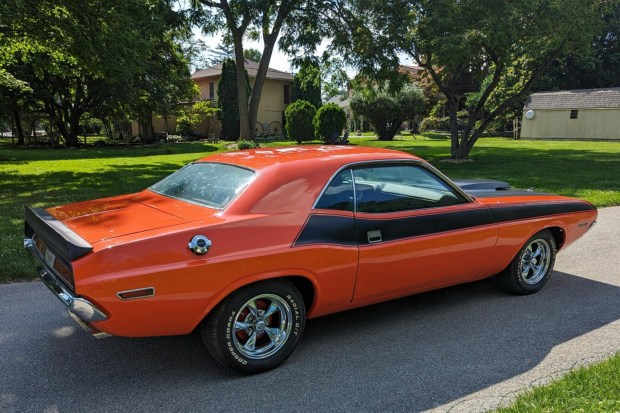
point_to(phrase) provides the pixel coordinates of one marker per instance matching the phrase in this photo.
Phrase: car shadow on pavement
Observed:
(411, 354)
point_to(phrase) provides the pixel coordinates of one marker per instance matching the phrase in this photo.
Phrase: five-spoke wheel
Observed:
(257, 327)
(530, 269)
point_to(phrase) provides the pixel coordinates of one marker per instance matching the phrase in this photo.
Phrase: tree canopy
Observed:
(99, 57)
(463, 45)
(386, 111)
(265, 20)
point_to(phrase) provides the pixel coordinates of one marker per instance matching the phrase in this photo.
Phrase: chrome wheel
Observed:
(535, 262)
(262, 326)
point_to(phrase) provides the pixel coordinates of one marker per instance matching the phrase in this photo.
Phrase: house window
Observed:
(287, 94)
(573, 113)
(211, 90)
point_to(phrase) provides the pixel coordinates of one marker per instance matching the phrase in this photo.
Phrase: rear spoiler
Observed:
(69, 244)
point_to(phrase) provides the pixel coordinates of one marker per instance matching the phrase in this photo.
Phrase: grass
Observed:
(592, 389)
(48, 177)
(588, 170)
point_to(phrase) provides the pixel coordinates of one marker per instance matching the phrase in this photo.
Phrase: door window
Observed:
(393, 188)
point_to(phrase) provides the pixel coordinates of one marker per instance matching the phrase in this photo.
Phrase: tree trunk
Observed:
(269, 42)
(245, 131)
(18, 127)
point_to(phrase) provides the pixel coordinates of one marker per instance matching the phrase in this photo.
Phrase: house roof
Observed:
(412, 68)
(251, 67)
(575, 99)
(340, 101)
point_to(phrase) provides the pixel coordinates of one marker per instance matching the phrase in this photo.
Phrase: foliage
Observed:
(95, 57)
(299, 116)
(245, 144)
(240, 20)
(388, 111)
(600, 67)
(228, 100)
(252, 54)
(442, 123)
(307, 83)
(432, 123)
(455, 40)
(329, 121)
(190, 118)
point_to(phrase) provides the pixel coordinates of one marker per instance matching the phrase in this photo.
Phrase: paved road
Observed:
(467, 348)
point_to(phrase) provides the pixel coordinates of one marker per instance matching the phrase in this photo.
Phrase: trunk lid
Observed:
(108, 218)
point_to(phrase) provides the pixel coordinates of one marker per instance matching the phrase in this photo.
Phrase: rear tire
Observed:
(256, 328)
(529, 271)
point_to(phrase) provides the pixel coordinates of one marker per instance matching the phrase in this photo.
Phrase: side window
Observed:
(401, 188)
(339, 193)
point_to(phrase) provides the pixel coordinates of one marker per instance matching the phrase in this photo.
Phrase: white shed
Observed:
(573, 114)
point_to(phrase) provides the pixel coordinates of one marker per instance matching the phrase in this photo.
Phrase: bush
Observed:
(443, 124)
(299, 116)
(386, 111)
(246, 145)
(329, 121)
(432, 123)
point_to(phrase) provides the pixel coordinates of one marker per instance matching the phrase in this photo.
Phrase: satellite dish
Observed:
(530, 114)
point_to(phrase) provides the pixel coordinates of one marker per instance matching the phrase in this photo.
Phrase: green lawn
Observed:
(593, 389)
(48, 177)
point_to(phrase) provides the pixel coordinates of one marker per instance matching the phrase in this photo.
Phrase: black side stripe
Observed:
(327, 229)
(515, 213)
(348, 231)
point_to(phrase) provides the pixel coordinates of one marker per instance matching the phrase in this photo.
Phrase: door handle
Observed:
(374, 236)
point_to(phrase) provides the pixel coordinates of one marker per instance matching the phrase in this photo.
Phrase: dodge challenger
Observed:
(246, 246)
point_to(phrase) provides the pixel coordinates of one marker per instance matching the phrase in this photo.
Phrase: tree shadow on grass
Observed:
(408, 355)
(16, 156)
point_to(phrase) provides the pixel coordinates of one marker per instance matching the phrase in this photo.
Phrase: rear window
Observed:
(212, 185)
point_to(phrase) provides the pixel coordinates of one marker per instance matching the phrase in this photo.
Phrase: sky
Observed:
(279, 60)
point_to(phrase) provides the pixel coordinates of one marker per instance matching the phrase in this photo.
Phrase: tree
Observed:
(598, 68)
(481, 39)
(228, 99)
(387, 112)
(329, 121)
(252, 54)
(244, 18)
(13, 95)
(307, 83)
(189, 119)
(100, 57)
(299, 116)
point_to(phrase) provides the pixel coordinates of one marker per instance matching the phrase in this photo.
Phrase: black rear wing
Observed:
(69, 244)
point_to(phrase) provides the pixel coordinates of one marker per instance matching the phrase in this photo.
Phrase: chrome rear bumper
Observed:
(80, 309)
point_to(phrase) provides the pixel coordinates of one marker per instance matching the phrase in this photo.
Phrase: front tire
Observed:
(529, 271)
(256, 328)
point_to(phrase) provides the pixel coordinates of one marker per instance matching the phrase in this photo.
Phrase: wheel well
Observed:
(558, 235)
(305, 288)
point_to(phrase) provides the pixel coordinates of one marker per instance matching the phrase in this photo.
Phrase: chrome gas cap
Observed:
(200, 244)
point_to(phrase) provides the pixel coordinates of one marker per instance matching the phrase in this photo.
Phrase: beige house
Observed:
(275, 97)
(573, 114)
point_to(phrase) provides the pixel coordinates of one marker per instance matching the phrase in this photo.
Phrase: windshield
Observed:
(209, 184)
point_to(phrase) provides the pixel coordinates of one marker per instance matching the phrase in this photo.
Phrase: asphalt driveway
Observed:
(466, 348)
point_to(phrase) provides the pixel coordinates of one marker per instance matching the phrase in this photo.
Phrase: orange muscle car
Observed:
(245, 246)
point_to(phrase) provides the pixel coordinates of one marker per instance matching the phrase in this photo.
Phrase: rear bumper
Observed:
(80, 309)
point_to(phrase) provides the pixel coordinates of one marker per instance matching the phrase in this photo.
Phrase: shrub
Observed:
(387, 112)
(246, 145)
(329, 121)
(432, 123)
(299, 116)
(443, 124)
